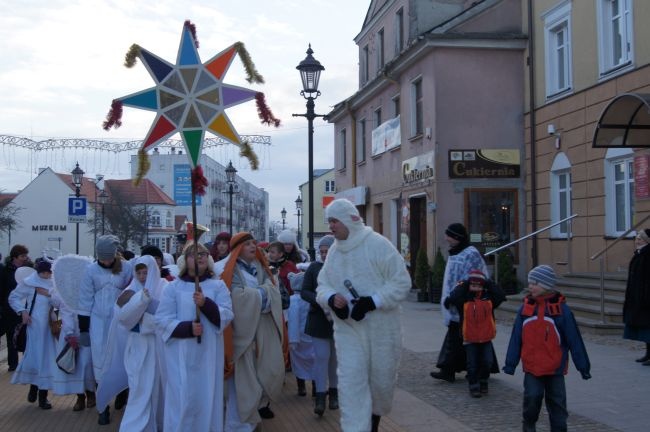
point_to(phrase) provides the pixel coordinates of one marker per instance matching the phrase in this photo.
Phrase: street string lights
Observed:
(299, 214)
(232, 188)
(284, 217)
(310, 70)
(77, 181)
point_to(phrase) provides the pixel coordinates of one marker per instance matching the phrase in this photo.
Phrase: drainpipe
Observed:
(353, 143)
(531, 100)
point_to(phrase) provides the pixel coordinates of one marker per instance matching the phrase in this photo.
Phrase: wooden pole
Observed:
(195, 234)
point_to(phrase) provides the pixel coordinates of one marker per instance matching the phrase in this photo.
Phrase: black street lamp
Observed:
(77, 181)
(230, 179)
(103, 198)
(299, 214)
(310, 70)
(284, 216)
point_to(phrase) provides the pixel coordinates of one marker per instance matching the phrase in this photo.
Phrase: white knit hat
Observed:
(344, 211)
(287, 236)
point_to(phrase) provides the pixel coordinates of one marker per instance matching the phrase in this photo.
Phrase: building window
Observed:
(380, 50)
(615, 34)
(417, 117)
(330, 186)
(342, 149)
(154, 220)
(557, 32)
(365, 57)
(377, 117)
(361, 142)
(399, 31)
(168, 220)
(396, 110)
(560, 195)
(619, 191)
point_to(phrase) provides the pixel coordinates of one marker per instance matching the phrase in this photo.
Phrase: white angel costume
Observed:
(300, 344)
(194, 371)
(36, 366)
(143, 411)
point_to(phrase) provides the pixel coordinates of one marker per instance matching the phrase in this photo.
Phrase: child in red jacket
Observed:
(543, 334)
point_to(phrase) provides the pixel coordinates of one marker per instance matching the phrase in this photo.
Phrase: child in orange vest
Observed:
(476, 298)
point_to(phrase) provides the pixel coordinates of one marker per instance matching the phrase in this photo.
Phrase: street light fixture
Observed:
(299, 214)
(103, 199)
(284, 216)
(230, 179)
(310, 70)
(77, 181)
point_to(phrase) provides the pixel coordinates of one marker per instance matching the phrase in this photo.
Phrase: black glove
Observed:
(446, 303)
(84, 323)
(342, 313)
(362, 306)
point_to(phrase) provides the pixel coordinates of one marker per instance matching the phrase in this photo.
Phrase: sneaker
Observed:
(643, 359)
(104, 418)
(445, 376)
(475, 393)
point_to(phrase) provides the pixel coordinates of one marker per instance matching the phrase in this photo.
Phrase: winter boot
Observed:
(43, 403)
(319, 404)
(646, 357)
(302, 391)
(375, 423)
(90, 399)
(33, 393)
(333, 398)
(483, 387)
(104, 417)
(80, 405)
(121, 399)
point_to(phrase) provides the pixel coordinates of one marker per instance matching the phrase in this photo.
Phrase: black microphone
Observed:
(350, 288)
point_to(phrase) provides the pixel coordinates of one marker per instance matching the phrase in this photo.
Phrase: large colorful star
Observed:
(189, 97)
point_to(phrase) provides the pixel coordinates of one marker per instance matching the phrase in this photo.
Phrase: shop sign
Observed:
(183, 185)
(484, 163)
(641, 176)
(386, 136)
(418, 168)
(356, 195)
(49, 227)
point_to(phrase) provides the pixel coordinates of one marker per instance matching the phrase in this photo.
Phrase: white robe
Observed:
(36, 366)
(300, 344)
(194, 385)
(367, 351)
(82, 378)
(99, 290)
(143, 412)
(457, 269)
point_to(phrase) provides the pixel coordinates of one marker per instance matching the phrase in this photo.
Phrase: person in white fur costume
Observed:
(366, 314)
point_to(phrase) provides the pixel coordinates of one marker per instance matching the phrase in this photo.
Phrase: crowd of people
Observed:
(205, 343)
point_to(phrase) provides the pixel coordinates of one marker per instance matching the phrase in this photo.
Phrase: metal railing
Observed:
(601, 264)
(527, 236)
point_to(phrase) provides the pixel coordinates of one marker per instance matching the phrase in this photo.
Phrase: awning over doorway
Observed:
(625, 122)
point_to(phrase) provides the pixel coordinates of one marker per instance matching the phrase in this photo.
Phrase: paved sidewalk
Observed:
(614, 399)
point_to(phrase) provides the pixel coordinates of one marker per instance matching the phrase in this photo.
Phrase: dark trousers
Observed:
(9, 323)
(479, 362)
(451, 358)
(550, 388)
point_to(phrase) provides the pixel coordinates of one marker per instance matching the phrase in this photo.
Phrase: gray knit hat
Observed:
(543, 275)
(326, 241)
(107, 246)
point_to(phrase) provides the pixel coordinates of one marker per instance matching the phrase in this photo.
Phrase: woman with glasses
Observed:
(194, 368)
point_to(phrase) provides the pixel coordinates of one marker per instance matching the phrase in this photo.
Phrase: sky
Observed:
(62, 64)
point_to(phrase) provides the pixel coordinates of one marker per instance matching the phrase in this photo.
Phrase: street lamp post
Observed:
(103, 198)
(284, 216)
(299, 214)
(310, 70)
(77, 180)
(230, 179)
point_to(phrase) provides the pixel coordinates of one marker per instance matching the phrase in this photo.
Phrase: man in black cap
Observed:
(462, 259)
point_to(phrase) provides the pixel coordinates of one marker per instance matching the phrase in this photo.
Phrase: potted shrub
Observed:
(422, 274)
(437, 276)
(507, 275)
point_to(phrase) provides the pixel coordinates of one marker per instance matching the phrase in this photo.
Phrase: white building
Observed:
(171, 173)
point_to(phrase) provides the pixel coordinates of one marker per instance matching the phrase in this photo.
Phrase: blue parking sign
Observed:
(76, 209)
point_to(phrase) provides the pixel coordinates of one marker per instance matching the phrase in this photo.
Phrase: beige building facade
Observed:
(585, 55)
